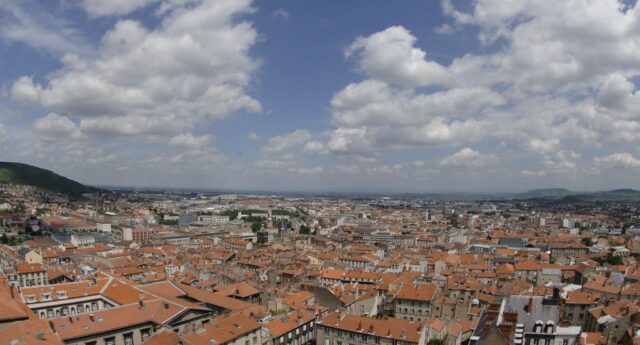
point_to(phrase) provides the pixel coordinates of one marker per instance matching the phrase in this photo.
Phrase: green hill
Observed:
(18, 173)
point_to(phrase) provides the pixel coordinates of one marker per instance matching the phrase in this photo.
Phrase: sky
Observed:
(324, 95)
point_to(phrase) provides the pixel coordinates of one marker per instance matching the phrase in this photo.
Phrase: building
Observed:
(295, 328)
(26, 275)
(236, 329)
(415, 302)
(83, 241)
(138, 235)
(575, 307)
(103, 227)
(343, 329)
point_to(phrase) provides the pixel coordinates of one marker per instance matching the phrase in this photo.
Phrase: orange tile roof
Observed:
(386, 327)
(32, 332)
(417, 292)
(223, 330)
(288, 323)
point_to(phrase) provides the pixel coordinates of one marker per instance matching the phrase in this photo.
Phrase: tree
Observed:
(587, 241)
(304, 229)
(435, 342)
(257, 225)
(4, 239)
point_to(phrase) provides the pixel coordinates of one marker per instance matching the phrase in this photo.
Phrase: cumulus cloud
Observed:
(193, 67)
(553, 76)
(282, 143)
(57, 126)
(310, 171)
(390, 55)
(315, 146)
(280, 13)
(469, 158)
(23, 90)
(188, 141)
(253, 136)
(4, 133)
(100, 8)
(40, 30)
(618, 160)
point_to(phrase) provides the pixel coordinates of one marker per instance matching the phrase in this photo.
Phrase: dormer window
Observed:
(45, 297)
(538, 327)
(61, 294)
(30, 298)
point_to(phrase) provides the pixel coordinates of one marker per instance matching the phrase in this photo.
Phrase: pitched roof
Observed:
(387, 327)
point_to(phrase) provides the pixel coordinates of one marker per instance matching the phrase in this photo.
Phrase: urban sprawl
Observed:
(192, 268)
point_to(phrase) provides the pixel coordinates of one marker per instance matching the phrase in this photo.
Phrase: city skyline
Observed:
(417, 96)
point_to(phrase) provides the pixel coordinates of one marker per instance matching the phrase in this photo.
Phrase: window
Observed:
(110, 341)
(30, 298)
(61, 294)
(90, 343)
(326, 342)
(145, 333)
(565, 341)
(128, 338)
(377, 340)
(45, 296)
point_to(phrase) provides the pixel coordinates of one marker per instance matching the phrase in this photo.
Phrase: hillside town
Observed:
(195, 268)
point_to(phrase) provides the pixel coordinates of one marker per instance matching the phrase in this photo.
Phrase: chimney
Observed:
(91, 317)
(52, 326)
(404, 333)
(166, 305)
(70, 319)
(141, 304)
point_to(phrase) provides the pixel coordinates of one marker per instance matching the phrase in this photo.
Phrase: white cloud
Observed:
(4, 134)
(38, 29)
(310, 171)
(272, 164)
(57, 126)
(618, 160)
(99, 8)
(193, 67)
(23, 90)
(280, 13)
(188, 141)
(552, 77)
(253, 136)
(315, 146)
(469, 158)
(282, 143)
(390, 55)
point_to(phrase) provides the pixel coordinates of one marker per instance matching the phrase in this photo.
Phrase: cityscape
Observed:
(284, 172)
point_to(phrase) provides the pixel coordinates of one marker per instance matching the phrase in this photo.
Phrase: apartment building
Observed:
(295, 328)
(414, 302)
(344, 329)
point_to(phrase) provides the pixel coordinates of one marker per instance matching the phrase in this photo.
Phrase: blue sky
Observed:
(381, 96)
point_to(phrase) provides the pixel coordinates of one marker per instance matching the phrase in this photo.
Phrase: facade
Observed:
(295, 328)
(415, 302)
(345, 329)
(28, 275)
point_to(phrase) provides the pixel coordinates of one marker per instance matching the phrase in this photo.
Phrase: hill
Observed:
(545, 193)
(19, 173)
(562, 195)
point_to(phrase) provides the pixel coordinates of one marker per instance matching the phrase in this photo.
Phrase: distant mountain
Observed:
(566, 196)
(545, 193)
(18, 173)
